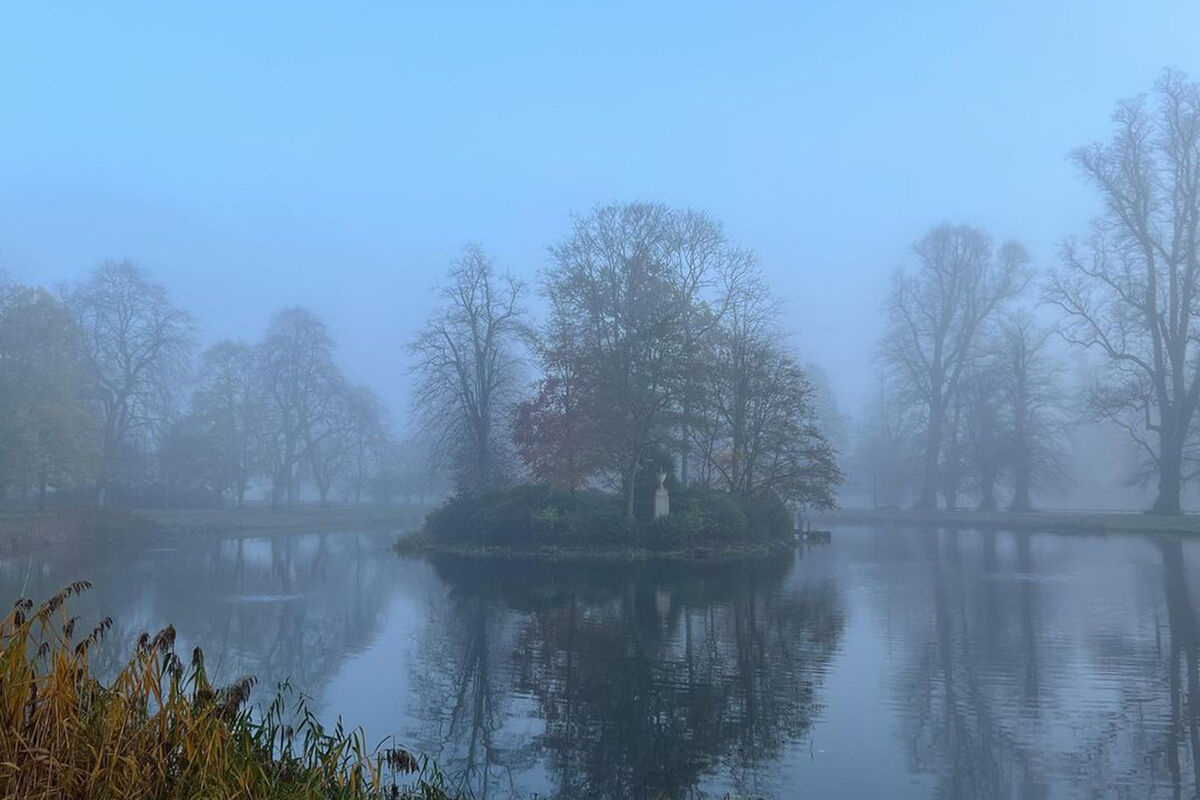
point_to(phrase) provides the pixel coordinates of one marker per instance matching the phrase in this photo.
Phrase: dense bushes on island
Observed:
(537, 515)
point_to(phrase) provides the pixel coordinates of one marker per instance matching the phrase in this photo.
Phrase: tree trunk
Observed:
(987, 491)
(1170, 465)
(1182, 623)
(685, 452)
(952, 470)
(1020, 499)
(630, 478)
(1170, 471)
(929, 466)
(1022, 450)
(483, 466)
(950, 495)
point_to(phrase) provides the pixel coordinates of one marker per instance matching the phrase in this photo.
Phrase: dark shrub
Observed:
(769, 518)
(600, 518)
(536, 514)
(529, 514)
(677, 530)
(452, 520)
(719, 516)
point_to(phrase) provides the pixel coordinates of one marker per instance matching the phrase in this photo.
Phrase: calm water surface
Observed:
(893, 663)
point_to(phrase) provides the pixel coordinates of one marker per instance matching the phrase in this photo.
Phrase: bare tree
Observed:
(886, 445)
(407, 469)
(1132, 289)
(367, 439)
(934, 316)
(1032, 395)
(784, 451)
(327, 438)
(298, 380)
(227, 409)
(739, 359)
(758, 420)
(832, 421)
(706, 273)
(952, 466)
(344, 442)
(137, 343)
(985, 422)
(468, 367)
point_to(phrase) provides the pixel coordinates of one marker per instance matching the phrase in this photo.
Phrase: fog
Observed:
(602, 400)
(258, 158)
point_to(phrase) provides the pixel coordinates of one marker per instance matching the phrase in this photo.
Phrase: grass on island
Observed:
(159, 730)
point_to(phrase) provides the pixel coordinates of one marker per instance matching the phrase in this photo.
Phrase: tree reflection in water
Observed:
(992, 664)
(1007, 690)
(1183, 739)
(287, 607)
(636, 681)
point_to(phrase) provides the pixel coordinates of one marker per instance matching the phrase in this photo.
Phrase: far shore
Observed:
(1056, 521)
(21, 531)
(295, 518)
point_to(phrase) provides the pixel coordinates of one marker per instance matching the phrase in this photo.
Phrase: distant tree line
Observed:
(661, 348)
(969, 391)
(970, 399)
(99, 396)
(662, 345)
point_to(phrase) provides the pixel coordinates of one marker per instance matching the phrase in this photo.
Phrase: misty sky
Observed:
(254, 156)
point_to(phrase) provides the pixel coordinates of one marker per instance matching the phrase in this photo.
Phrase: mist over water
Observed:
(899, 661)
(623, 400)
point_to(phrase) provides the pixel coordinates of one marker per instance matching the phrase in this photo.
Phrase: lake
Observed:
(895, 662)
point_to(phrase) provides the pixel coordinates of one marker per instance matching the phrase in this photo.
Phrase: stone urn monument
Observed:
(662, 498)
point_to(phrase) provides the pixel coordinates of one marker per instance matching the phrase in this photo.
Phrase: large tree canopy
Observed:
(662, 336)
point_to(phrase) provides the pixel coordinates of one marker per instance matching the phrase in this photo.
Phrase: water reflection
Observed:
(645, 680)
(281, 607)
(907, 663)
(1039, 666)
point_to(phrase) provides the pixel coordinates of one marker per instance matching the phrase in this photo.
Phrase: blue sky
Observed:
(258, 155)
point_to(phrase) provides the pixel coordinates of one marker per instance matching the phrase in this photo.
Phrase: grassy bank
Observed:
(159, 730)
(24, 531)
(1059, 521)
(304, 519)
(29, 530)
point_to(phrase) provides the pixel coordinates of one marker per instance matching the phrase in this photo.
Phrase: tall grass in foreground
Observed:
(160, 730)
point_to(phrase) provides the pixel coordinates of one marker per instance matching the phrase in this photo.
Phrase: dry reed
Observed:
(159, 730)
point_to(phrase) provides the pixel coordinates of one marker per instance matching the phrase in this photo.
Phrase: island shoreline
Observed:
(419, 545)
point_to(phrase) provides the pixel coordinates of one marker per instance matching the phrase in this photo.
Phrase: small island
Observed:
(539, 521)
(667, 414)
